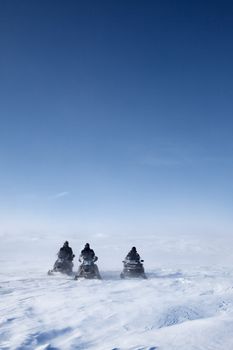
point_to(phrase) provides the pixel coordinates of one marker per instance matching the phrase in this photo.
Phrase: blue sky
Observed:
(117, 115)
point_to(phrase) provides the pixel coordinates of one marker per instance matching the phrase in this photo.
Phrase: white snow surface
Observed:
(186, 303)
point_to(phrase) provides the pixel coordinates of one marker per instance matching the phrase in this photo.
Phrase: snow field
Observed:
(185, 308)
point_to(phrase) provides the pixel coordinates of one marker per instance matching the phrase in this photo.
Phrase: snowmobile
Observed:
(133, 269)
(63, 266)
(88, 269)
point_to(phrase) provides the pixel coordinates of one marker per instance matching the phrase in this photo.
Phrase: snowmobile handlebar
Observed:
(128, 260)
(81, 259)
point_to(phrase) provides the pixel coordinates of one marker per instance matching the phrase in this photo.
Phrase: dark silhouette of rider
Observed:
(66, 252)
(133, 255)
(87, 253)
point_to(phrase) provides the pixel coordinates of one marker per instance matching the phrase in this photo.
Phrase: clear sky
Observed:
(116, 116)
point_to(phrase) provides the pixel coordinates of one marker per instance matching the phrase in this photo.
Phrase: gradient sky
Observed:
(116, 116)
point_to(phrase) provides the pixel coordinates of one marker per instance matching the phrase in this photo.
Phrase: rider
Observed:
(88, 254)
(133, 266)
(66, 252)
(133, 255)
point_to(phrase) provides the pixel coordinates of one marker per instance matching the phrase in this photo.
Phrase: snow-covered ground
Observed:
(186, 303)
